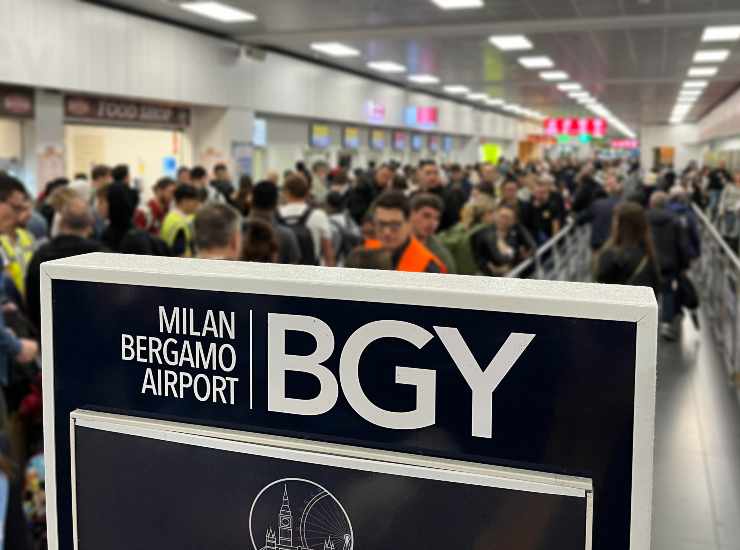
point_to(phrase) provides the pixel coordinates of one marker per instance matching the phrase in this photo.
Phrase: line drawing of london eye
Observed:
(323, 525)
(321, 520)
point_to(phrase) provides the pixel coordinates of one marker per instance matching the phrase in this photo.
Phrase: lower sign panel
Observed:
(150, 485)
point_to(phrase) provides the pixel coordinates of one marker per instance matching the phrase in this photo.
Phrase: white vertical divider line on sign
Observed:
(251, 360)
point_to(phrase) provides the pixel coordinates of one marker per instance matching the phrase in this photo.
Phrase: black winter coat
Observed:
(671, 242)
(622, 266)
(588, 191)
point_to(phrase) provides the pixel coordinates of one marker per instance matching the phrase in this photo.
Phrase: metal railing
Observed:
(565, 257)
(717, 278)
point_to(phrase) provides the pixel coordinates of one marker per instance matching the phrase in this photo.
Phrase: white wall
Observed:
(284, 86)
(683, 137)
(43, 141)
(70, 45)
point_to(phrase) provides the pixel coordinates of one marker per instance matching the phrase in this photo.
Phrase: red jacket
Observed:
(150, 217)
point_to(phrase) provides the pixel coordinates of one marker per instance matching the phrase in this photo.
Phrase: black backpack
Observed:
(297, 224)
(348, 240)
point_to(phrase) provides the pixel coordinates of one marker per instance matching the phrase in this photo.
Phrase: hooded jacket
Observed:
(121, 207)
(671, 242)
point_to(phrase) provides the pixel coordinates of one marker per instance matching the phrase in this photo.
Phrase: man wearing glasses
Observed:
(12, 204)
(391, 212)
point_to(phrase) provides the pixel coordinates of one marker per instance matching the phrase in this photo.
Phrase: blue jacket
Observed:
(687, 218)
(10, 346)
(599, 215)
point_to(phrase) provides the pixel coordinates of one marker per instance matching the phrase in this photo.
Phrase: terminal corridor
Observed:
(370, 274)
(697, 449)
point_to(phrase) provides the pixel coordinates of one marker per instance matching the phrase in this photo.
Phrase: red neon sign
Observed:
(596, 127)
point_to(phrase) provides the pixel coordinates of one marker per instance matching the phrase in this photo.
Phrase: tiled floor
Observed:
(696, 502)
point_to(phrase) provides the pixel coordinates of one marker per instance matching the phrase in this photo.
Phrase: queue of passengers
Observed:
(482, 219)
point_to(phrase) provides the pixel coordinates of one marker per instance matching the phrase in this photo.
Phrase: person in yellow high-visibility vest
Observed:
(17, 248)
(177, 227)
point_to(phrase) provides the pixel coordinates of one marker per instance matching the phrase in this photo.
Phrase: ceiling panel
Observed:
(632, 55)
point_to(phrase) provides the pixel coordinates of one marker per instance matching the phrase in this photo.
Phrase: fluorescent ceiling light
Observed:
(458, 4)
(334, 49)
(456, 89)
(570, 87)
(587, 101)
(554, 75)
(512, 42)
(219, 12)
(424, 79)
(386, 67)
(579, 95)
(686, 100)
(721, 34)
(695, 84)
(599, 110)
(711, 56)
(686, 94)
(540, 62)
(702, 71)
(477, 97)
(495, 102)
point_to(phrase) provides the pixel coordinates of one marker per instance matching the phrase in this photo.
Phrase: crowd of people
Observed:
(482, 219)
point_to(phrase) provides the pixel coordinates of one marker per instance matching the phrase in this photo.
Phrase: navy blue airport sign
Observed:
(556, 378)
(268, 493)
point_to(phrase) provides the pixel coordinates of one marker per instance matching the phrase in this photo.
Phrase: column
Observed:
(43, 141)
(222, 135)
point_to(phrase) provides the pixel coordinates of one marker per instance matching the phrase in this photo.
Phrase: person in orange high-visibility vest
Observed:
(391, 212)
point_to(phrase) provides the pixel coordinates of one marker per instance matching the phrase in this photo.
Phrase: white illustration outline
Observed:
(324, 492)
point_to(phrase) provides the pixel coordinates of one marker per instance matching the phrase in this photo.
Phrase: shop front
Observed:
(16, 106)
(151, 138)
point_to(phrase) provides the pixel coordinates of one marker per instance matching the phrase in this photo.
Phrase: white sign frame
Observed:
(550, 298)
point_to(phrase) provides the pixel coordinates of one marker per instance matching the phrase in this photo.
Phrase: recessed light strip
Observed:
(219, 12)
(536, 62)
(695, 72)
(387, 67)
(510, 43)
(458, 4)
(711, 56)
(730, 33)
(424, 79)
(456, 89)
(552, 76)
(335, 49)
